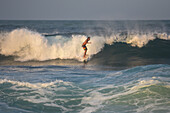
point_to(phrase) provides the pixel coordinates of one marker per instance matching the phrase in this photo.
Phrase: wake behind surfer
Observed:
(84, 46)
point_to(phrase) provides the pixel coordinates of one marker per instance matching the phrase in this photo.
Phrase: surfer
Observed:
(84, 46)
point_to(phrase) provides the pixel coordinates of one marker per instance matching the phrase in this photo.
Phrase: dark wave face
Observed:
(122, 54)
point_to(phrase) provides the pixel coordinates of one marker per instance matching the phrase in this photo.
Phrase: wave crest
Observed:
(28, 45)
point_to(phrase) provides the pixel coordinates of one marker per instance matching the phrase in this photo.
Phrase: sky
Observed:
(84, 9)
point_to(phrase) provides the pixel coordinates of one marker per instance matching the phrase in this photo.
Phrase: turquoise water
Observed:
(79, 89)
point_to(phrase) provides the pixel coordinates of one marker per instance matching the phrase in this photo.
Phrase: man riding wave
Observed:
(84, 45)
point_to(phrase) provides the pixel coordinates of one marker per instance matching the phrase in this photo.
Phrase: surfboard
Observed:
(86, 59)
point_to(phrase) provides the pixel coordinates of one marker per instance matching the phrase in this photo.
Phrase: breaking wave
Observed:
(27, 45)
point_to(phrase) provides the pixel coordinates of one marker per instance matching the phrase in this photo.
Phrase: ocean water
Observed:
(42, 68)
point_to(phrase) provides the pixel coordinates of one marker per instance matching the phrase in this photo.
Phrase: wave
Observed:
(26, 45)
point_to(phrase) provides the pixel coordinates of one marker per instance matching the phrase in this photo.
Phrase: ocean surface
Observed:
(42, 68)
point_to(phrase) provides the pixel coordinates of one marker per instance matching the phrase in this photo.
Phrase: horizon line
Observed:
(82, 19)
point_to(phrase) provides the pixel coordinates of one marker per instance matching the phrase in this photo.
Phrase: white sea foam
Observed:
(140, 40)
(33, 85)
(29, 45)
(145, 83)
(55, 105)
(96, 99)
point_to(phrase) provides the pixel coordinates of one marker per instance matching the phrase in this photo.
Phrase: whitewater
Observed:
(42, 69)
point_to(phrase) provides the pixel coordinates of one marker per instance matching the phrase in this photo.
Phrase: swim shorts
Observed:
(84, 47)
